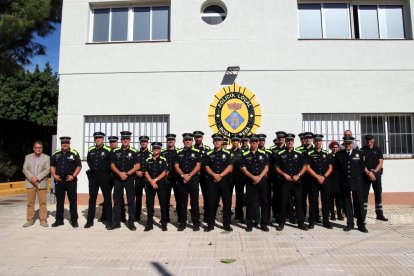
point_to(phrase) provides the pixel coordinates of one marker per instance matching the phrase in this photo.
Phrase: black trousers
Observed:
(184, 189)
(287, 190)
(215, 191)
(256, 192)
(336, 199)
(238, 182)
(377, 186)
(276, 197)
(351, 200)
(172, 186)
(161, 192)
(313, 201)
(128, 185)
(139, 188)
(306, 193)
(70, 188)
(100, 180)
(123, 215)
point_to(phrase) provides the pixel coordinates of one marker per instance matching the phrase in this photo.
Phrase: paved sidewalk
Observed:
(387, 249)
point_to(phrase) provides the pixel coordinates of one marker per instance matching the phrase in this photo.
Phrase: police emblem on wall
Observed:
(234, 111)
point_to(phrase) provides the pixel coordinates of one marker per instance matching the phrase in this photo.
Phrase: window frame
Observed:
(351, 19)
(130, 31)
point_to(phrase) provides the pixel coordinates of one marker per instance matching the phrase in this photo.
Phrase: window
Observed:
(324, 20)
(380, 22)
(145, 23)
(154, 126)
(346, 21)
(393, 132)
(214, 14)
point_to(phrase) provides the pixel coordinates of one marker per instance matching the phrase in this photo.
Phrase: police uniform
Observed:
(187, 159)
(275, 149)
(143, 155)
(99, 162)
(335, 195)
(372, 159)
(351, 166)
(320, 162)
(172, 176)
(218, 161)
(237, 180)
(270, 176)
(307, 178)
(255, 163)
(65, 164)
(202, 174)
(124, 159)
(291, 163)
(156, 168)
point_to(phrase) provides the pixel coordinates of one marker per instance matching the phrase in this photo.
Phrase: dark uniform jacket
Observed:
(351, 169)
(236, 157)
(187, 159)
(170, 154)
(124, 159)
(65, 162)
(218, 161)
(99, 159)
(155, 167)
(291, 162)
(372, 157)
(255, 162)
(319, 161)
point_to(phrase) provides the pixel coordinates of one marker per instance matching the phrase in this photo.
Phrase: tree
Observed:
(31, 97)
(20, 20)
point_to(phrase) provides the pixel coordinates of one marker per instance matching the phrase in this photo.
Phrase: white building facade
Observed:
(154, 67)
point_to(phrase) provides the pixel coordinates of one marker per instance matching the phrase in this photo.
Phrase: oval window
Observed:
(213, 14)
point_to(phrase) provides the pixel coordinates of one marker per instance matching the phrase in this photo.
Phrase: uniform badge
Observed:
(324, 156)
(160, 162)
(129, 154)
(224, 156)
(295, 156)
(357, 155)
(192, 155)
(71, 157)
(103, 153)
(260, 157)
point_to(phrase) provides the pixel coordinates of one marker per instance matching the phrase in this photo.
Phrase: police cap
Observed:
(262, 136)
(156, 145)
(113, 138)
(369, 137)
(308, 135)
(188, 136)
(170, 136)
(143, 138)
(317, 137)
(126, 134)
(235, 138)
(217, 136)
(198, 133)
(280, 134)
(348, 139)
(254, 137)
(65, 139)
(245, 138)
(98, 134)
(290, 136)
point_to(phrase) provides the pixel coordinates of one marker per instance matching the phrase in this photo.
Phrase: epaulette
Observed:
(325, 151)
(246, 152)
(91, 148)
(310, 152)
(226, 151)
(164, 150)
(272, 147)
(118, 148)
(73, 151)
(57, 151)
(179, 150)
(163, 158)
(261, 151)
(196, 150)
(268, 150)
(107, 148)
(210, 152)
(207, 147)
(298, 151)
(299, 148)
(280, 152)
(133, 149)
(149, 157)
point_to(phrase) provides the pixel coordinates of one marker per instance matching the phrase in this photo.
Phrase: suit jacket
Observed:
(42, 171)
(351, 169)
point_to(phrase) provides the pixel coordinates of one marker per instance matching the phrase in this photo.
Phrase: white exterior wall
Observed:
(288, 76)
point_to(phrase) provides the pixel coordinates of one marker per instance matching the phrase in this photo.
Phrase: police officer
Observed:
(245, 143)
(279, 145)
(307, 179)
(169, 154)
(65, 166)
(143, 154)
(198, 144)
(99, 162)
(155, 169)
(291, 165)
(124, 164)
(320, 168)
(270, 174)
(236, 178)
(351, 166)
(255, 165)
(374, 161)
(218, 165)
(187, 164)
(113, 144)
